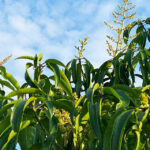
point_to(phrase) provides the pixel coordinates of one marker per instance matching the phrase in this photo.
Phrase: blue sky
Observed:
(53, 27)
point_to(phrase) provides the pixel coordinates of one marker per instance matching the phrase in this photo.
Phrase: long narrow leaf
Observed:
(54, 61)
(17, 114)
(118, 129)
(26, 57)
(56, 71)
(65, 84)
(23, 91)
(9, 77)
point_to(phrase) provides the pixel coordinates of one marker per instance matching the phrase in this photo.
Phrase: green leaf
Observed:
(47, 85)
(12, 138)
(127, 32)
(54, 61)
(53, 126)
(27, 137)
(129, 58)
(129, 90)
(135, 60)
(116, 64)
(115, 130)
(79, 101)
(12, 80)
(124, 99)
(89, 94)
(37, 73)
(124, 73)
(96, 87)
(4, 136)
(111, 91)
(145, 115)
(17, 114)
(145, 88)
(4, 124)
(139, 29)
(132, 92)
(134, 42)
(50, 108)
(143, 64)
(65, 84)
(35, 61)
(36, 146)
(23, 91)
(25, 124)
(142, 39)
(88, 63)
(79, 72)
(95, 120)
(28, 65)
(7, 106)
(147, 20)
(74, 70)
(32, 99)
(63, 104)
(29, 80)
(87, 75)
(68, 70)
(78, 88)
(107, 143)
(126, 36)
(147, 52)
(84, 113)
(9, 77)
(56, 71)
(26, 57)
(50, 114)
(40, 57)
(148, 34)
(103, 70)
(119, 128)
(77, 127)
(7, 84)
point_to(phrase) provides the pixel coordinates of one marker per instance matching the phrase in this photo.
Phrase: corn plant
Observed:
(77, 106)
(122, 17)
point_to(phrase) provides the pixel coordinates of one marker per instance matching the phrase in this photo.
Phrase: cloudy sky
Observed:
(53, 27)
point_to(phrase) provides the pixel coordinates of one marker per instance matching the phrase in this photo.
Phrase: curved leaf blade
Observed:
(23, 91)
(74, 70)
(54, 61)
(26, 57)
(118, 129)
(17, 114)
(115, 130)
(65, 84)
(9, 77)
(29, 80)
(56, 71)
(7, 84)
(111, 91)
(108, 132)
(95, 120)
(124, 99)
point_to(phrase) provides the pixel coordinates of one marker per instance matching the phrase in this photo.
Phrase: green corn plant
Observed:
(107, 112)
(121, 21)
(78, 70)
(137, 53)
